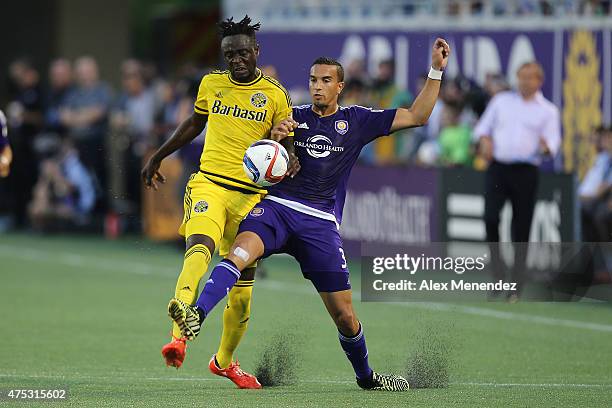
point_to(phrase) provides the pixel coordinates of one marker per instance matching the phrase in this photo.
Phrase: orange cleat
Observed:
(235, 374)
(174, 352)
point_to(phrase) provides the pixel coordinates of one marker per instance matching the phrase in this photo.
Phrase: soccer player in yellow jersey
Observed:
(240, 106)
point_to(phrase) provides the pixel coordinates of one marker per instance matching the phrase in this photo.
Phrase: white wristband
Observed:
(434, 74)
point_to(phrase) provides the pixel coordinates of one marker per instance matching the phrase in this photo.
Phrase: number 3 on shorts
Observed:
(343, 266)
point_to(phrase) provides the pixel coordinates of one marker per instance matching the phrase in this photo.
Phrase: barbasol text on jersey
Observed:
(238, 112)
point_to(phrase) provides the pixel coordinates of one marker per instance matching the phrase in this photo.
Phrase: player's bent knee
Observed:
(241, 254)
(247, 248)
(241, 258)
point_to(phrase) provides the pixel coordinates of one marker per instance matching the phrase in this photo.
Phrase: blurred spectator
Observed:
(167, 113)
(154, 81)
(456, 92)
(85, 116)
(476, 7)
(428, 153)
(464, 98)
(327, 12)
(508, 139)
(60, 86)
(135, 109)
(455, 139)
(355, 92)
(355, 69)
(516, 130)
(190, 154)
(25, 111)
(385, 94)
(453, 8)
(24, 115)
(595, 7)
(64, 194)
(595, 192)
(495, 83)
(132, 122)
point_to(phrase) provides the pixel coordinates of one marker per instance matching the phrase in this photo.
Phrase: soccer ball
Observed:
(265, 162)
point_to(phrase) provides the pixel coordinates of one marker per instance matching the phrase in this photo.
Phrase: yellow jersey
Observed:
(239, 114)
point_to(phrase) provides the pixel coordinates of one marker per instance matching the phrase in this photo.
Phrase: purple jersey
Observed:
(3, 131)
(327, 148)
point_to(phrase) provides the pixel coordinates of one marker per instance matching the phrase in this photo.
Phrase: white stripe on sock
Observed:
(352, 339)
(233, 270)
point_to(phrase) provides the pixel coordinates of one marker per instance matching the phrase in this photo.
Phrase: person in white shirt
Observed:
(516, 130)
(595, 193)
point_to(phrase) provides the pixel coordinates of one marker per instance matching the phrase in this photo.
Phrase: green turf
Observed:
(89, 315)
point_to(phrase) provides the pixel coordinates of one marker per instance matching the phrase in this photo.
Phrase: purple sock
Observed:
(218, 285)
(357, 352)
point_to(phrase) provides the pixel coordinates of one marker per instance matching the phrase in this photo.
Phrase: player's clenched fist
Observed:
(439, 55)
(282, 129)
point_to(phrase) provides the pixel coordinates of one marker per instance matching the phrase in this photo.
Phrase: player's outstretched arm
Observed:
(418, 113)
(188, 130)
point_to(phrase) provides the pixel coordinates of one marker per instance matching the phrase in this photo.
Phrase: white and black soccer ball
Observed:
(265, 162)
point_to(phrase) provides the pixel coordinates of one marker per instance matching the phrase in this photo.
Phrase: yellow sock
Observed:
(195, 266)
(235, 320)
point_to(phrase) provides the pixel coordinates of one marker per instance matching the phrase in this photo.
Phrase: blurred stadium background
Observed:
(91, 88)
(95, 87)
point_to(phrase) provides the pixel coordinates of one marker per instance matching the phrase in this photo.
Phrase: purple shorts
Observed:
(314, 242)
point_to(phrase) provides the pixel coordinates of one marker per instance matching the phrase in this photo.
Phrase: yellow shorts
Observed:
(214, 211)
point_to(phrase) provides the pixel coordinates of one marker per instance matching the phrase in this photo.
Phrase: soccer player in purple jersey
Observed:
(300, 216)
(6, 154)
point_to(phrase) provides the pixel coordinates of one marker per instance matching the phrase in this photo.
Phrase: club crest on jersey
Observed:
(259, 100)
(200, 207)
(257, 211)
(341, 126)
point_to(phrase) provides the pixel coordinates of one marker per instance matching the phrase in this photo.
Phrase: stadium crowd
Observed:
(439, 8)
(79, 145)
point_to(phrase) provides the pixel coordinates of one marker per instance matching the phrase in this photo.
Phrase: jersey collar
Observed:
(325, 116)
(257, 79)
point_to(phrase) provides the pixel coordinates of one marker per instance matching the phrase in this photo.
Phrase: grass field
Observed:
(89, 315)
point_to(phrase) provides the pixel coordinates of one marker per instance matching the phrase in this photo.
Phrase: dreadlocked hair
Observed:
(229, 27)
